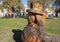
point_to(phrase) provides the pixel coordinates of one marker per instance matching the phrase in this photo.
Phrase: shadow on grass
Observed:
(17, 35)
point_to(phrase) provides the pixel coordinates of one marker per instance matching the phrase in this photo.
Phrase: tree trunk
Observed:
(56, 14)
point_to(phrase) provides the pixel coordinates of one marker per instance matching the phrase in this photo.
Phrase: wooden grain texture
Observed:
(34, 31)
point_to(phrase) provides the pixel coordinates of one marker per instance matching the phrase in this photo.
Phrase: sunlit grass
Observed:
(52, 25)
(12, 23)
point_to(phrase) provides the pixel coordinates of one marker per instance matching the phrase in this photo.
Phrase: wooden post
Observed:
(34, 31)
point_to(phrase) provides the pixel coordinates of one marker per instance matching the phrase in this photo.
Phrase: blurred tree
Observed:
(12, 3)
(57, 8)
(45, 3)
(57, 2)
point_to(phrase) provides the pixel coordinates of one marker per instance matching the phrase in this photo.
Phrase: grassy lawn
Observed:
(12, 23)
(52, 25)
(7, 25)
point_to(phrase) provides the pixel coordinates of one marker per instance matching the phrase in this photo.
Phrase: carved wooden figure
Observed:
(34, 31)
(31, 33)
(36, 14)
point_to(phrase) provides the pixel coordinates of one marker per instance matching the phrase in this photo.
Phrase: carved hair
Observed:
(36, 6)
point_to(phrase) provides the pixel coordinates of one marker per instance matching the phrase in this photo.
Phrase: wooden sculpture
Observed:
(34, 31)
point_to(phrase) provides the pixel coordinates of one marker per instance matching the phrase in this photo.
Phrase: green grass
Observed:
(7, 25)
(12, 23)
(52, 25)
